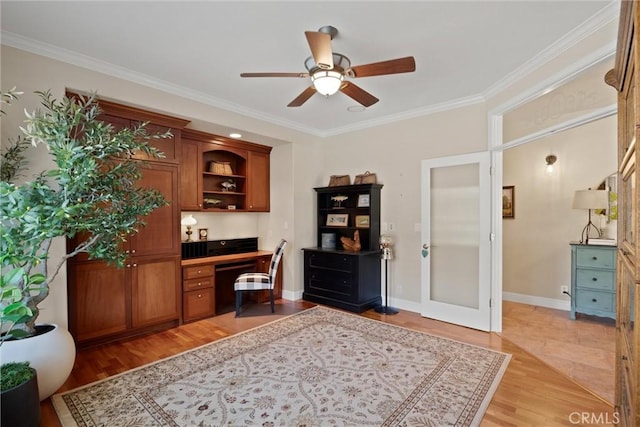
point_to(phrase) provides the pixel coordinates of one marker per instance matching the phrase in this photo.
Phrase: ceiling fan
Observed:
(328, 70)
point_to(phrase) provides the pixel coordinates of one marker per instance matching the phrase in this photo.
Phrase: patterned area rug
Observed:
(317, 367)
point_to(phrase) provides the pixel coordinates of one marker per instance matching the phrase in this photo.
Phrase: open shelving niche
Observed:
(212, 188)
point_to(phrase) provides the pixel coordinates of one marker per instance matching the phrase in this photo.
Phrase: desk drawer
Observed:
(195, 284)
(199, 304)
(596, 279)
(593, 300)
(595, 258)
(193, 272)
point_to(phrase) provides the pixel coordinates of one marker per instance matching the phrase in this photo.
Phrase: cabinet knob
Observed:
(127, 251)
(594, 300)
(199, 271)
(134, 265)
(595, 279)
(133, 251)
(199, 284)
(199, 295)
(128, 265)
(594, 258)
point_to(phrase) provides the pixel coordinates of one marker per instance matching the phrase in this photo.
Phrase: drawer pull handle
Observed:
(594, 300)
(595, 279)
(199, 284)
(199, 271)
(594, 258)
(199, 295)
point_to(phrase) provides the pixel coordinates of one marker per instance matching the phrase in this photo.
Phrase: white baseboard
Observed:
(291, 295)
(558, 304)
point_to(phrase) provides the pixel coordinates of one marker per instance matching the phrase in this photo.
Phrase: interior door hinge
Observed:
(490, 303)
(491, 170)
(492, 237)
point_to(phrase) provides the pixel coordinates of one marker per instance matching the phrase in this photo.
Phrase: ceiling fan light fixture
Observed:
(327, 82)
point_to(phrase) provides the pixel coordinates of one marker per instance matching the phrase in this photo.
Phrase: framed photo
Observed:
(362, 221)
(363, 200)
(337, 220)
(203, 233)
(508, 201)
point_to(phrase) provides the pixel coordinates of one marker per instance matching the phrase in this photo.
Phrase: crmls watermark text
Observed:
(594, 418)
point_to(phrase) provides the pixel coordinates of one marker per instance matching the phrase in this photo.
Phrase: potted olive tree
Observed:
(91, 191)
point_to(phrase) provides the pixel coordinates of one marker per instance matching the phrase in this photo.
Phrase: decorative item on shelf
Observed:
(221, 168)
(352, 245)
(337, 220)
(189, 221)
(550, 160)
(338, 200)
(363, 200)
(365, 178)
(386, 254)
(338, 180)
(228, 185)
(203, 233)
(508, 202)
(590, 199)
(328, 241)
(210, 202)
(362, 221)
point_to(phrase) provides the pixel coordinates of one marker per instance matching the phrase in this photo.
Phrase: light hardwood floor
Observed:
(531, 392)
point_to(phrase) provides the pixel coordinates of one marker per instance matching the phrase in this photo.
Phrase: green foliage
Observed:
(92, 192)
(13, 374)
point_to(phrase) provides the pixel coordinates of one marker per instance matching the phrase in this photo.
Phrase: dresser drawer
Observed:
(331, 284)
(195, 271)
(593, 300)
(195, 284)
(332, 261)
(596, 279)
(595, 258)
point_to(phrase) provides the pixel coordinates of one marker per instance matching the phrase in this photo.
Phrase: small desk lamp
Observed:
(590, 199)
(189, 221)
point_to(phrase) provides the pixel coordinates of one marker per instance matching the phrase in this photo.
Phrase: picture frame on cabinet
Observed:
(203, 233)
(337, 220)
(363, 200)
(508, 202)
(362, 221)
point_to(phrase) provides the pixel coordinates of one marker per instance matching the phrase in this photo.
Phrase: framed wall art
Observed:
(337, 220)
(508, 201)
(363, 200)
(362, 221)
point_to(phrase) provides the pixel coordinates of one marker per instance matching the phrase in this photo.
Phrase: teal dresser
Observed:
(593, 280)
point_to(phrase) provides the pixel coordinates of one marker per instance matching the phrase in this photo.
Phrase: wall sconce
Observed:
(550, 160)
(189, 221)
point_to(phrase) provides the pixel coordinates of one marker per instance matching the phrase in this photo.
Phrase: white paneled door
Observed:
(456, 247)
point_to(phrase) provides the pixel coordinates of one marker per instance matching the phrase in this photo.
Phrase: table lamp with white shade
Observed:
(189, 221)
(590, 199)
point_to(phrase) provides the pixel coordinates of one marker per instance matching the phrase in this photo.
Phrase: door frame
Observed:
(497, 146)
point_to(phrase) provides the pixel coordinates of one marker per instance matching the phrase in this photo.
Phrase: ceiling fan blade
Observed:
(320, 45)
(358, 94)
(393, 66)
(274, 74)
(303, 97)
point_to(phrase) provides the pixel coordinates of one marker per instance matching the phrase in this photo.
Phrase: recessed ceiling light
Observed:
(355, 108)
(235, 135)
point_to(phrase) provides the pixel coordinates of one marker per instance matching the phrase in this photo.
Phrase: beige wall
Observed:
(299, 161)
(536, 253)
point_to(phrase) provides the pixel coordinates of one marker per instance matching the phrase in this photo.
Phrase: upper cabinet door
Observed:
(161, 234)
(258, 182)
(190, 176)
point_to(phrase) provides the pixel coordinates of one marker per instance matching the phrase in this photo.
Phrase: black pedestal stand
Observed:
(385, 309)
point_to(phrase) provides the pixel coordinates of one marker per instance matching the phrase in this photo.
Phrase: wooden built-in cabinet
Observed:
(203, 186)
(625, 79)
(108, 303)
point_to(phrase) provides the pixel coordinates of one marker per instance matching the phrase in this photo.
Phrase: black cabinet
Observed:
(332, 275)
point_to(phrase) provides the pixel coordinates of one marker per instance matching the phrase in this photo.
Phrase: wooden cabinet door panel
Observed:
(98, 306)
(258, 195)
(190, 176)
(155, 291)
(166, 145)
(161, 233)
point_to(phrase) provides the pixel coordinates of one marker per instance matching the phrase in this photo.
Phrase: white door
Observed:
(456, 248)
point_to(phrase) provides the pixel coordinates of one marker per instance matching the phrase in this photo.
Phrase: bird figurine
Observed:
(228, 185)
(352, 245)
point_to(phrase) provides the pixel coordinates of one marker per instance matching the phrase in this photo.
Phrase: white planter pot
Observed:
(52, 354)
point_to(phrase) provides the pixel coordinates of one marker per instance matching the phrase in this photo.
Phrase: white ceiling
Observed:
(464, 50)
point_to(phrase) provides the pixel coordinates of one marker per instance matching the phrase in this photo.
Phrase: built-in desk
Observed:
(207, 282)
